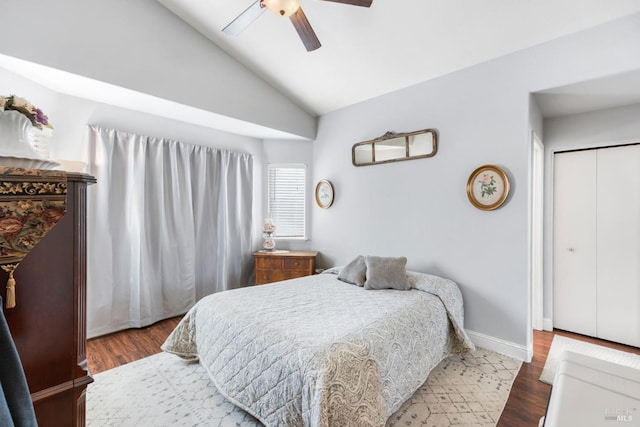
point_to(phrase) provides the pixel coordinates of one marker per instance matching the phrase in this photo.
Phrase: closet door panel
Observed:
(574, 245)
(618, 243)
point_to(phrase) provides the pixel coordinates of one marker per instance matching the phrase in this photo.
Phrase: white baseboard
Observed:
(501, 346)
(547, 324)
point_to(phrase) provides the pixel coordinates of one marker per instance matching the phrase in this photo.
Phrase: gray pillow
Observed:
(386, 273)
(354, 272)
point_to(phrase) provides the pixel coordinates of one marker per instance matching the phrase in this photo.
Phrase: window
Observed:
(286, 199)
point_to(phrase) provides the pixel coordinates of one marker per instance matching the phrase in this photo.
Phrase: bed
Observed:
(317, 351)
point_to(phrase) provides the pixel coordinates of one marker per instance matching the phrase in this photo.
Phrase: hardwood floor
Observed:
(526, 404)
(110, 351)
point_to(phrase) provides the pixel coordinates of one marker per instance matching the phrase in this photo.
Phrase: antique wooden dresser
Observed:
(48, 323)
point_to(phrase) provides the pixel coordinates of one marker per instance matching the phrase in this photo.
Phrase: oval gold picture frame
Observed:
(488, 187)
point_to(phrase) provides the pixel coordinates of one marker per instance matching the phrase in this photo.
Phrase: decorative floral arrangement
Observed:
(34, 114)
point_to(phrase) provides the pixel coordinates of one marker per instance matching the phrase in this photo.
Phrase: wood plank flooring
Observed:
(110, 351)
(525, 405)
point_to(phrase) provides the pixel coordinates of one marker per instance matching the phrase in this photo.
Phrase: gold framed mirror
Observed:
(395, 147)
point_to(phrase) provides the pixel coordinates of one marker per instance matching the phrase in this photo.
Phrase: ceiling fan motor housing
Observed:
(283, 8)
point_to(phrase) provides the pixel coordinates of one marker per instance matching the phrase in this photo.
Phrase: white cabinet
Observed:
(597, 243)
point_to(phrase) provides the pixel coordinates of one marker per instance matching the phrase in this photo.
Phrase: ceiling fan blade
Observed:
(243, 20)
(306, 33)
(363, 3)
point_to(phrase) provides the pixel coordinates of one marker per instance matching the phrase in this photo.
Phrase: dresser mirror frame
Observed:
(395, 147)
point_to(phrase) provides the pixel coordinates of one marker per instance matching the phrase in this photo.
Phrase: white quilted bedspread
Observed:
(320, 352)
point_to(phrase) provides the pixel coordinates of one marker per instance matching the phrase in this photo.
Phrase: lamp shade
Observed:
(284, 8)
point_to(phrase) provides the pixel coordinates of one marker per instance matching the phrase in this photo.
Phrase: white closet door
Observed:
(574, 243)
(619, 244)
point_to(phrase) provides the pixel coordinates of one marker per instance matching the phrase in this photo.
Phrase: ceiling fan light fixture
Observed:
(284, 8)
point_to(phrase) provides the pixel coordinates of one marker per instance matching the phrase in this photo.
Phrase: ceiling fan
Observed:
(284, 8)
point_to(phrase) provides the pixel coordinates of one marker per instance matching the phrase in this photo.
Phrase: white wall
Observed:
(605, 127)
(71, 116)
(613, 126)
(419, 208)
(142, 46)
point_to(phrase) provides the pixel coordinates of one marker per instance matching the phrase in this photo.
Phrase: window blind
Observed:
(286, 199)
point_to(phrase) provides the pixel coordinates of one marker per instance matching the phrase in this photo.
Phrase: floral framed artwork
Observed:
(488, 187)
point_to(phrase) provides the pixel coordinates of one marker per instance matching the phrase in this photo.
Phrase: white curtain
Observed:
(167, 224)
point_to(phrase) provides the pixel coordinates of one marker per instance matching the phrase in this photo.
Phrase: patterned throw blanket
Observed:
(316, 351)
(32, 201)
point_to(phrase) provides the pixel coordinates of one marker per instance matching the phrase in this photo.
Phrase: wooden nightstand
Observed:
(281, 265)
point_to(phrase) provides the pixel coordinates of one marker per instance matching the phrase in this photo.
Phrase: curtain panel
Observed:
(167, 224)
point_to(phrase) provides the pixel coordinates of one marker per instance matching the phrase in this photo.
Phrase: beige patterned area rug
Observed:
(162, 390)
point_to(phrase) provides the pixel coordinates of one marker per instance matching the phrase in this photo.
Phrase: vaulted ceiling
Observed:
(367, 52)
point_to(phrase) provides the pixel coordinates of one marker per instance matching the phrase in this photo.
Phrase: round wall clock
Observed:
(324, 193)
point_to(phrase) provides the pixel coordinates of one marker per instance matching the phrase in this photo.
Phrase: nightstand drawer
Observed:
(270, 276)
(298, 263)
(269, 263)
